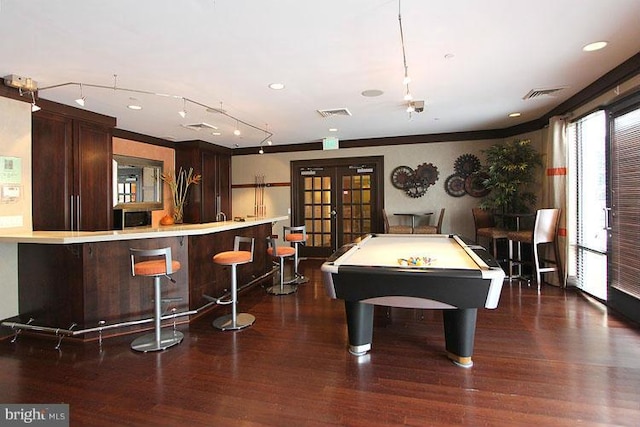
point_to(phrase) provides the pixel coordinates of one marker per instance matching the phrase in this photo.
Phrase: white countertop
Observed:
(68, 237)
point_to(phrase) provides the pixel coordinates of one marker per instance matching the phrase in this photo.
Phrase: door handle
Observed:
(607, 219)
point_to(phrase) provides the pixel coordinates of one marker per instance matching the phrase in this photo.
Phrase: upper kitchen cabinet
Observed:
(213, 193)
(72, 169)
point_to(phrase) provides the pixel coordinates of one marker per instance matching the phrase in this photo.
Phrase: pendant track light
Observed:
(183, 112)
(135, 104)
(80, 101)
(34, 107)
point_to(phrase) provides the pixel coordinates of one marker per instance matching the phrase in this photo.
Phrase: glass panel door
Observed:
(318, 209)
(356, 202)
(589, 136)
(338, 201)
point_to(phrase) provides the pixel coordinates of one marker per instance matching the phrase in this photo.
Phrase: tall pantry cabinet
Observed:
(213, 193)
(72, 169)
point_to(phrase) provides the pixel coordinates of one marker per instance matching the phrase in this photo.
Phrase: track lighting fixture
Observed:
(260, 151)
(34, 107)
(407, 97)
(80, 101)
(183, 112)
(135, 104)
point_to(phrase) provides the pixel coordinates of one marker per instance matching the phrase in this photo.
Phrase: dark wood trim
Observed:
(267, 184)
(13, 93)
(618, 75)
(621, 73)
(203, 145)
(134, 136)
(75, 113)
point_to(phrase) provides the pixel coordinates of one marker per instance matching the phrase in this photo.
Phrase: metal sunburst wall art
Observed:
(467, 179)
(414, 182)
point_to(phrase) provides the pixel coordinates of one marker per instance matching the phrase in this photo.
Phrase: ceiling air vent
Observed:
(200, 126)
(334, 112)
(534, 93)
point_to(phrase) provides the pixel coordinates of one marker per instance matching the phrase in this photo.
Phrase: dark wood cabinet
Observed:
(213, 194)
(71, 167)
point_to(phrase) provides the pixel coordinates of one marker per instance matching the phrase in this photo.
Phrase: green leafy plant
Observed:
(511, 172)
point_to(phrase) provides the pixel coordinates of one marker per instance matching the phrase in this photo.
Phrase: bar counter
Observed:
(68, 237)
(84, 278)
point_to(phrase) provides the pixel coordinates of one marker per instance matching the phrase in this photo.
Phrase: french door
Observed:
(338, 200)
(592, 207)
(624, 270)
(607, 155)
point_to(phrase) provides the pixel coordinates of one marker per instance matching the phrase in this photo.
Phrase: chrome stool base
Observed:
(226, 323)
(282, 289)
(146, 343)
(301, 280)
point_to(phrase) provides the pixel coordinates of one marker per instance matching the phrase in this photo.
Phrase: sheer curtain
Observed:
(555, 185)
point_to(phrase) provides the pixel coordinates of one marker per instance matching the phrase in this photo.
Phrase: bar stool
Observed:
(485, 226)
(297, 236)
(280, 252)
(544, 230)
(146, 262)
(235, 321)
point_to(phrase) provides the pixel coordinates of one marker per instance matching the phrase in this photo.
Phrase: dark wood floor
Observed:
(548, 358)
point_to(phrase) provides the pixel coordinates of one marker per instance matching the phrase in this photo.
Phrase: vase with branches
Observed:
(179, 184)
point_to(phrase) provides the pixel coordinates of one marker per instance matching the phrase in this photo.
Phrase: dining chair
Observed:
(394, 229)
(431, 229)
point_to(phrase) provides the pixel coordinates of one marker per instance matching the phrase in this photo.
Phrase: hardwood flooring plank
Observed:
(548, 358)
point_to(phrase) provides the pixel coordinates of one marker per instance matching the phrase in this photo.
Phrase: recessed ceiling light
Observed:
(594, 46)
(372, 92)
(515, 114)
(276, 86)
(333, 129)
(134, 107)
(449, 56)
(216, 133)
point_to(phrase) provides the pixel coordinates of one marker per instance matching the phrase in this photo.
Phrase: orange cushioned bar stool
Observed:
(155, 263)
(280, 252)
(235, 321)
(296, 236)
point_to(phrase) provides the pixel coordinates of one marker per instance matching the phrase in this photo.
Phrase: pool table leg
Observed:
(459, 333)
(359, 326)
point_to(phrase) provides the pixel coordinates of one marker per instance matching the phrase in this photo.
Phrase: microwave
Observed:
(123, 218)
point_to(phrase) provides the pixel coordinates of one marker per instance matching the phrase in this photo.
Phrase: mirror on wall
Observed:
(137, 183)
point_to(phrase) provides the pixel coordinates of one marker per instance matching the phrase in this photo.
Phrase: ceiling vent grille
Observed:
(334, 112)
(200, 126)
(534, 93)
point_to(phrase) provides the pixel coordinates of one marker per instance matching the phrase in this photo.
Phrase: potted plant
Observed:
(510, 173)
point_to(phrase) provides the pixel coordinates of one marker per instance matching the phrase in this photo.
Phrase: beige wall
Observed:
(166, 155)
(457, 219)
(15, 141)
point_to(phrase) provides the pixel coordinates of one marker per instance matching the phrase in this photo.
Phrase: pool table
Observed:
(428, 271)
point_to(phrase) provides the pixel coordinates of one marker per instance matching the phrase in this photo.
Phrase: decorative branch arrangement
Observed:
(179, 185)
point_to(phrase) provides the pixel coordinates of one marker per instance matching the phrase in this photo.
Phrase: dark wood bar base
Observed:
(85, 284)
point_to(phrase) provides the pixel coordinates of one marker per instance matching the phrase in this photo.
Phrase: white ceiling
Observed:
(225, 53)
